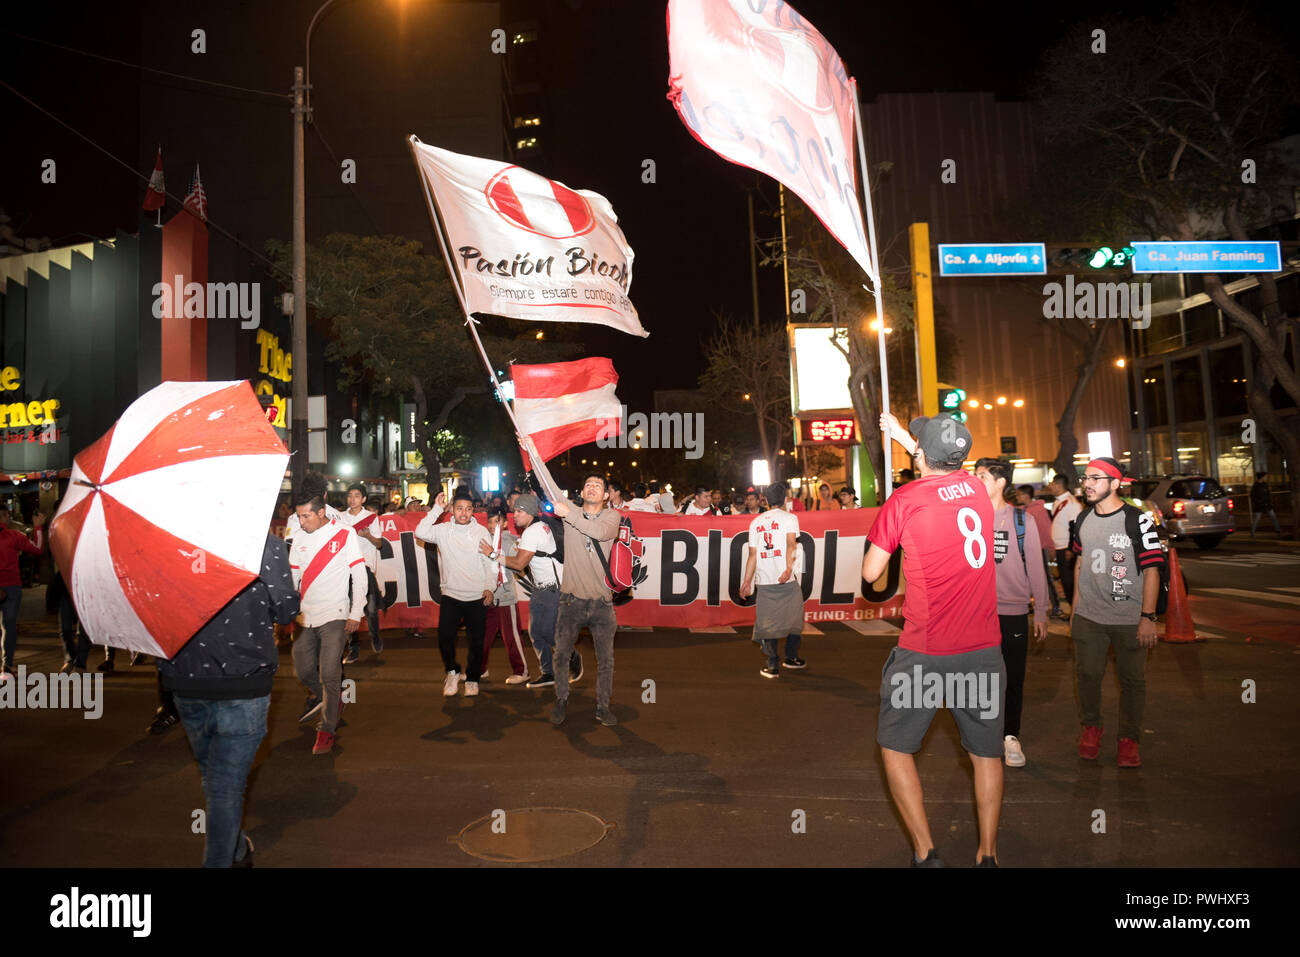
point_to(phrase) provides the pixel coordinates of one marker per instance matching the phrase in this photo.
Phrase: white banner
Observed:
(529, 247)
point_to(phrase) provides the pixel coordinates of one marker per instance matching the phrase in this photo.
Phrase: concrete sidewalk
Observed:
(713, 773)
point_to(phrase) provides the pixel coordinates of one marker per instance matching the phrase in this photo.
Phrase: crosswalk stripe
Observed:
(874, 627)
(1253, 595)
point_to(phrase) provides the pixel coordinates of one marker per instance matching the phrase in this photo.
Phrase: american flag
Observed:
(196, 201)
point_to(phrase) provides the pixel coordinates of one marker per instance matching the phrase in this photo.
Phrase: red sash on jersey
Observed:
(322, 558)
(365, 522)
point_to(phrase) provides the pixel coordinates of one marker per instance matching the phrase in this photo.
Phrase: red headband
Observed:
(1107, 468)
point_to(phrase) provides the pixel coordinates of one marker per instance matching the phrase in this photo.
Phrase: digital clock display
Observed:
(831, 430)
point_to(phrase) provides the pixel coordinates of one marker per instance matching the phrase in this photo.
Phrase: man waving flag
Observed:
(528, 247)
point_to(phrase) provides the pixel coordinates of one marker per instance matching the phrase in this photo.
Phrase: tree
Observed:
(749, 371)
(1171, 132)
(395, 323)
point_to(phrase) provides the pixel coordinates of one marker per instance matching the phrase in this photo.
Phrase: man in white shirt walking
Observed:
(468, 580)
(1065, 509)
(362, 521)
(702, 504)
(324, 558)
(771, 570)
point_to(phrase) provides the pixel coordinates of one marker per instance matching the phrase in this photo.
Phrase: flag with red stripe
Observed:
(529, 247)
(563, 404)
(156, 194)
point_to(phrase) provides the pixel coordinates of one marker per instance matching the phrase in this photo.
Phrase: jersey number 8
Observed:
(975, 548)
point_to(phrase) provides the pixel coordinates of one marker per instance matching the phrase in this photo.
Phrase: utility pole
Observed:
(753, 257)
(299, 433)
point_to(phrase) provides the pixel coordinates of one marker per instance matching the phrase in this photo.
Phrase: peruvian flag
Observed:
(156, 194)
(765, 90)
(563, 404)
(528, 247)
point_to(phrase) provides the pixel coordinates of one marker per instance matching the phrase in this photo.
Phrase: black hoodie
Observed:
(234, 654)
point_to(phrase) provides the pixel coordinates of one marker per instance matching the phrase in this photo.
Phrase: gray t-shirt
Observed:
(1110, 582)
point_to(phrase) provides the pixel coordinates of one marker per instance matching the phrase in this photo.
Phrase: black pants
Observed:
(1015, 649)
(1065, 560)
(372, 612)
(451, 612)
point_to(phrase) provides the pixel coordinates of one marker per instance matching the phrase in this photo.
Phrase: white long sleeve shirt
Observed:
(369, 522)
(323, 562)
(466, 572)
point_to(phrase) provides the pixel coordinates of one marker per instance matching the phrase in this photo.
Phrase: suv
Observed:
(1189, 506)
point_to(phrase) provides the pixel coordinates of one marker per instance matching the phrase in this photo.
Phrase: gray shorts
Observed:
(972, 685)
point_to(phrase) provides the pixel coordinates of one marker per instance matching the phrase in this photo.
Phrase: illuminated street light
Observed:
(987, 406)
(1019, 403)
(540, 333)
(1002, 400)
(746, 396)
(1121, 362)
(974, 403)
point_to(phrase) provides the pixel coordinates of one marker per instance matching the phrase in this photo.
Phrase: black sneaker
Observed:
(575, 668)
(247, 859)
(769, 672)
(352, 657)
(987, 862)
(106, 667)
(795, 663)
(544, 681)
(376, 643)
(311, 708)
(558, 712)
(163, 721)
(931, 860)
(606, 717)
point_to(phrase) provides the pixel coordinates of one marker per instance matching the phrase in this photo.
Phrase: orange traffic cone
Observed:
(1179, 627)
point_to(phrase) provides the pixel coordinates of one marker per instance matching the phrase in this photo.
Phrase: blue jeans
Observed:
(13, 599)
(791, 649)
(543, 609)
(225, 736)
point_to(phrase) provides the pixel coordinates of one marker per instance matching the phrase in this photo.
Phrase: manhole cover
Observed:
(530, 834)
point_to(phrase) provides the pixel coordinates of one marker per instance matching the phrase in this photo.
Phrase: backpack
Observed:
(1133, 528)
(1020, 534)
(557, 533)
(621, 568)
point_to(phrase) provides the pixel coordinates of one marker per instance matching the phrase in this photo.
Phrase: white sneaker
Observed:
(516, 679)
(483, 676)
(471, 689)
(450, 686)
(1015, 756)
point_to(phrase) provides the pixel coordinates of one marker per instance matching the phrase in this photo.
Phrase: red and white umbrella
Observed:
(166, 516)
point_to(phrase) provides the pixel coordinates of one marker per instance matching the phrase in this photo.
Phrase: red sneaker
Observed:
(324, 743)
(1128, 754)
(1090, 743)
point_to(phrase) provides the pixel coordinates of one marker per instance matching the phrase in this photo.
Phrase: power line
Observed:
(352, 186)
(149, 69)
(135, 172)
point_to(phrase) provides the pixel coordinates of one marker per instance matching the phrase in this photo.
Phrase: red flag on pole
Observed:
(562, 404)
(767, 91)
(156, 194)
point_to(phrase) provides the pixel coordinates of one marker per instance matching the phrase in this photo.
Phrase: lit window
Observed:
(525, 144)
(522, 121)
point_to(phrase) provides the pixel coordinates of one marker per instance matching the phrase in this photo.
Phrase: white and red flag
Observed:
(765, 90)
(528, 247)
(166, 515)
(562, 404)
(196, 200)
(156, 194)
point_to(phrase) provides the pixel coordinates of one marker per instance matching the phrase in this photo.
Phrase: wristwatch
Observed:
(1150, 616)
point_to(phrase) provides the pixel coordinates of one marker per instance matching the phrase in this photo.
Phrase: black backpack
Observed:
(557, 532)
(1133, 527)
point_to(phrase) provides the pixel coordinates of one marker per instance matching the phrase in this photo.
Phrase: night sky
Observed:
(606, 79)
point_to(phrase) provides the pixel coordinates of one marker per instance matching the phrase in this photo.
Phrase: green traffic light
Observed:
(1101, 258)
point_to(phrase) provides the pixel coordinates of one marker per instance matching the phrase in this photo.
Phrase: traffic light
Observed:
(1074, 259)
(950, 400)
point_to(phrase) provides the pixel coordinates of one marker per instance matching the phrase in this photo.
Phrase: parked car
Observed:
(1189, 506)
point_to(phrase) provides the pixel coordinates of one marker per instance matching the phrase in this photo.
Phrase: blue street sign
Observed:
(1207, 257)
(992, 259)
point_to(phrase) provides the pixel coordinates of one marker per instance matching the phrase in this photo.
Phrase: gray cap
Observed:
(528, 502)
(944, 440)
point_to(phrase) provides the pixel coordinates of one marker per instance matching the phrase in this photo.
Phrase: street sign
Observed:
(1008, 444)
(992, 259)
(1208, 257)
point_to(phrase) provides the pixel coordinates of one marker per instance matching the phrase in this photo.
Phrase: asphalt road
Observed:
(714, 772)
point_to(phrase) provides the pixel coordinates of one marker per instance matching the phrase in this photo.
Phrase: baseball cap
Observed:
(528, 502)
(944, 440)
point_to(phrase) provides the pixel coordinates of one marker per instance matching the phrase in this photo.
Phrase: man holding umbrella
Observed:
(324, 558)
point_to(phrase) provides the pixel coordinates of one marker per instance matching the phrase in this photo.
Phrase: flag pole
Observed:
(525, 441)
(886, 442)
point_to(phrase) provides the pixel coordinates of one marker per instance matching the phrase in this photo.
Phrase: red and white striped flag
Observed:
(563, 404)
(196, 200)
(529, 247)
(765, 90)
(156, 194)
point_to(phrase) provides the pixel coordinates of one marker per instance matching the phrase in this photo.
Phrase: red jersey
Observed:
(12, 542)
(945, 525)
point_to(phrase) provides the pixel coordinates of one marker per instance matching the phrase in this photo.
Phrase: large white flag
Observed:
(529, 247)
(767, 91)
